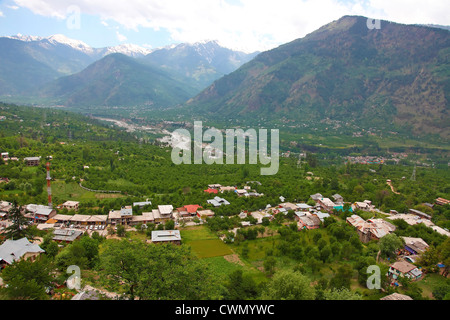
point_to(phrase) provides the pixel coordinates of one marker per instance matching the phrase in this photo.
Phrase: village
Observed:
(69, 227)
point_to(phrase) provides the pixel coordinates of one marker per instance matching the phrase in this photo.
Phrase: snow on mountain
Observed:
(25, 38)
(131, 50)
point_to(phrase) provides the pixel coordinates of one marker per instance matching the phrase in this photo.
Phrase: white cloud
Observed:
(249, 24)
(1, 14)
(121, 37)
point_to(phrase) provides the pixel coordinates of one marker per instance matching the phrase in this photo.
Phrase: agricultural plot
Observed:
(204, 243)
(209, 248)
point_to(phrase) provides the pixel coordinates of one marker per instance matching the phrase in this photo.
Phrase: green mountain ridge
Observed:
(397, 75)
(117, 80)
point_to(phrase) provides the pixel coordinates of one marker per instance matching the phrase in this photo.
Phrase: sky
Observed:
(246, 25)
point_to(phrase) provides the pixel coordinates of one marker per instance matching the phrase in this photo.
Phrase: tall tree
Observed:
(289, 285)
(162, 271)
(19, 227)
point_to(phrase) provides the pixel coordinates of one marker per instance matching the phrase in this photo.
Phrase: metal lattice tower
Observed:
(49, 189)
(413, 176)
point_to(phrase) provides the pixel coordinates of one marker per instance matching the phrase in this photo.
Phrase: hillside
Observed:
(397, 76)
(117, 80)
(201, 63)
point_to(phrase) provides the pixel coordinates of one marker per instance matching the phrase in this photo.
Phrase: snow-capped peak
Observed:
(129, 50)
(25, 38)
(76, 44)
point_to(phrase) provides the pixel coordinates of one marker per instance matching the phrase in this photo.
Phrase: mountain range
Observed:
(31, 64)
(395, 76)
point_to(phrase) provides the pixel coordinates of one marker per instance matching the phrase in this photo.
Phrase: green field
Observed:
(209, 248)
(65, 191)
(204, 243)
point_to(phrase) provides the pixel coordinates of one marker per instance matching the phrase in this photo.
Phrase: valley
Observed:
(88, 177)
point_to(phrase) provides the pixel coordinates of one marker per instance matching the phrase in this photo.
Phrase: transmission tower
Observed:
(413, 176)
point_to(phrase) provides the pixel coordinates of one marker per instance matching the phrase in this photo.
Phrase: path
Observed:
(392, 187)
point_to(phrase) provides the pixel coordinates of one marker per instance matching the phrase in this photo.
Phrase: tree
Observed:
(269, 265)
(169, 225)
(19, 227)
(342, 277)
(340, 294)
(240, 286)
(120, 230)
(27, 280)
(389, 244)
(162, 271)
(289, 285)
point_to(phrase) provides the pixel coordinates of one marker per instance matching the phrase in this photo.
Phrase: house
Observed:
(66, 235)
(32, 161)
(321, 215)
(303, 207)
(214, 186)
(165, 211)
(442, 201)
(14, 250)
(404, 269)
(227, 189)
(71, 205)
(62, 219)
(39, 213)
(241, 192)
(123, 216)
(146, 217)
(364, 206)
(80, 220)
(397, 296)
(338, 198)
(415, 246)
(4, 209)
(142, 204)
(166, 236)
(316, 196)
(289, 206)
(211, 190)
(326, 204)
(260, 215)
(188, 210)
(203, 214)
(97, 220)
(372, 229)
(217, 202)
(3, 179)
(308, 222)
(420, 214)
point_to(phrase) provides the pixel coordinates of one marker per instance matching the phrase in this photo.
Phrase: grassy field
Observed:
(72, 191)
(204, 243)
(209, 248)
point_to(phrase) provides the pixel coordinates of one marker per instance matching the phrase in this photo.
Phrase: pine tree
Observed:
(19, 227)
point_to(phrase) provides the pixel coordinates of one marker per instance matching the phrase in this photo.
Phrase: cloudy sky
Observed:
(248, 25)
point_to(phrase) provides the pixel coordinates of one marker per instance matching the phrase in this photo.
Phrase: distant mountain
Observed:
(28, 62)
(21, 68)
(200, 63)
(398, 75)
(117, 80)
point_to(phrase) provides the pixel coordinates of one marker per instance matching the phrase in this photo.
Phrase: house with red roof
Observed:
(188, 210)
